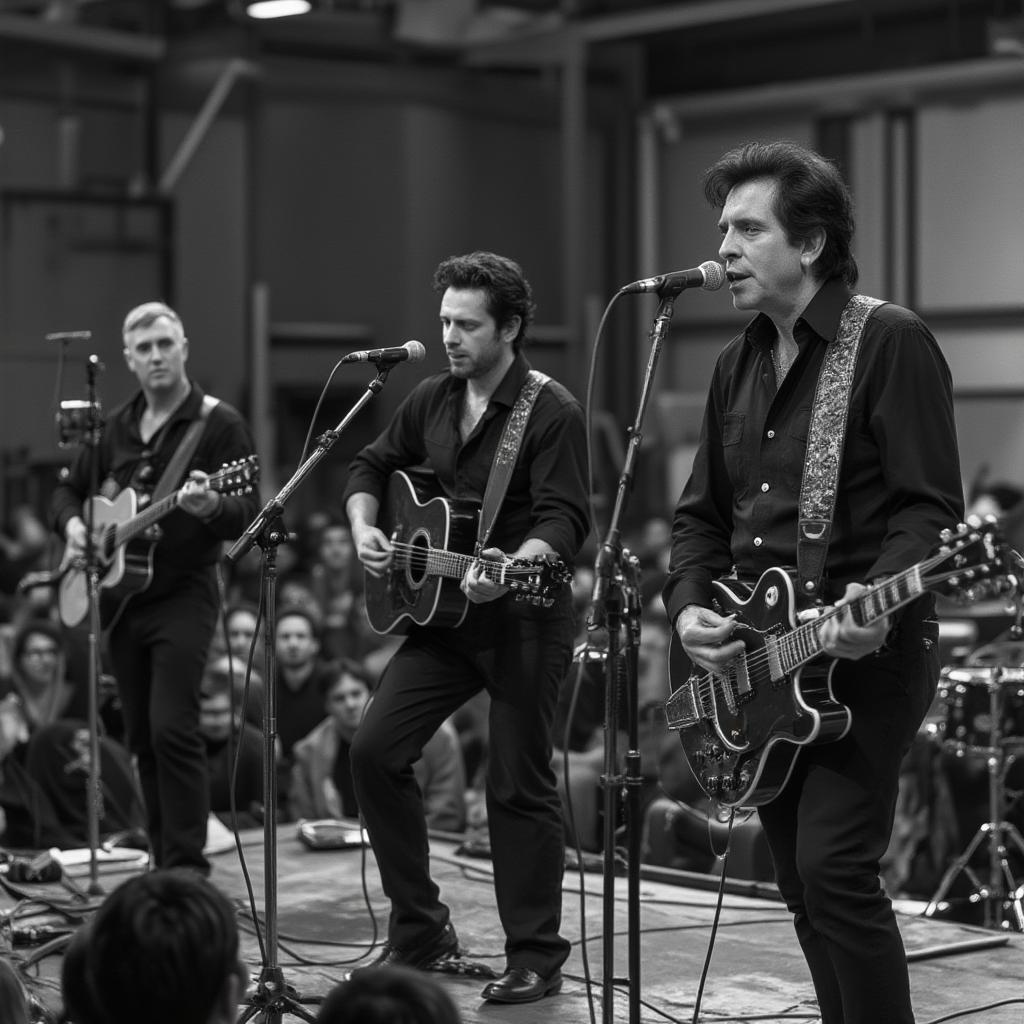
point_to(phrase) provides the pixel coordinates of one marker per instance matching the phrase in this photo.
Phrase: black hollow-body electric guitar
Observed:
(124, 538)
(433, 541)
(742, 729)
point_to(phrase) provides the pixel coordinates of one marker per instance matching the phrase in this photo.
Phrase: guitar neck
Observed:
(803, 644)
(453, 565)
(143, 520)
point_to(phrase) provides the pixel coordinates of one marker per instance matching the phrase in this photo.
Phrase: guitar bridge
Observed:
(681, 709)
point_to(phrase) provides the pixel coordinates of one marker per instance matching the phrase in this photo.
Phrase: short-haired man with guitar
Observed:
(828, 445)
(449, 571)
(173, 454)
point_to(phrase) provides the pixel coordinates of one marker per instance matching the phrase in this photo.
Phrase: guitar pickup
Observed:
(681, 708)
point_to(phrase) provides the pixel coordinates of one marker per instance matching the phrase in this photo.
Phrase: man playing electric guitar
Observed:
(885, 479)
(517, 651)
(158, 644)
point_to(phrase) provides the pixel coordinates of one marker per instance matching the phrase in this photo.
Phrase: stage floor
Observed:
(329, 910)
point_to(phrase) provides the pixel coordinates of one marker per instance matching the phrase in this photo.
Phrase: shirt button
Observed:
(771, 434)
(758, 542)
(764, 488)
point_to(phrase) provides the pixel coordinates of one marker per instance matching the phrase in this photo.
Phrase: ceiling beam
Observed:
(543, 44)
(144, 49)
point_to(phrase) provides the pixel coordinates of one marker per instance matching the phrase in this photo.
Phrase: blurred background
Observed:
(289, 184)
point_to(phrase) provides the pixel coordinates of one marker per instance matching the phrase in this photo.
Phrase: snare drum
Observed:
(967, 699)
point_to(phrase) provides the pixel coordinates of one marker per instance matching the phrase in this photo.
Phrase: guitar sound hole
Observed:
(416, 567)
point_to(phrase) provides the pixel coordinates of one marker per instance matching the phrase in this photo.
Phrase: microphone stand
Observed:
(616, 604)
(273, 997)
(95, 796)
(77, 421)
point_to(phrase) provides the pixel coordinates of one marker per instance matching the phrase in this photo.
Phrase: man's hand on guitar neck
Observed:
(476, 585)
(196, 497)
(841, 637)
(705, 634)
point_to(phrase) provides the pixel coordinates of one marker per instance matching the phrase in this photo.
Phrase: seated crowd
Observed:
(326, 661)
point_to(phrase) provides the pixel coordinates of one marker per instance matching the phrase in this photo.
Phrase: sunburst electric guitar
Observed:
(124, 540)
(433, 543)
(742, 729)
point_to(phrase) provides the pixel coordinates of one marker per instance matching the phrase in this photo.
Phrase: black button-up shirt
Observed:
(899, 483)
(547, 495)
(187, 544)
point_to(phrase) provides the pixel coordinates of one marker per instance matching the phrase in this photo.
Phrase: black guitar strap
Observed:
(825, 440)
(170, 479)
(505, 457)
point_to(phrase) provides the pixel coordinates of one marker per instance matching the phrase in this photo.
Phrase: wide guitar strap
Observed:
(505, 456)
(825, 439)
(170, 479)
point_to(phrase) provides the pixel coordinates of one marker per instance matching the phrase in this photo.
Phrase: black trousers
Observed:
(831, 824)
(158, 652)
(519, 655)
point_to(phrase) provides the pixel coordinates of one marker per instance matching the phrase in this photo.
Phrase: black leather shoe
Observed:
(521, 985)
(441, 946)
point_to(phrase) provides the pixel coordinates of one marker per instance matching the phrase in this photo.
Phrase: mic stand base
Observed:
(274, 998)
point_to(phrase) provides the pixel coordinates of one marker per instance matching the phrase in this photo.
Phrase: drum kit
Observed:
(982, 722)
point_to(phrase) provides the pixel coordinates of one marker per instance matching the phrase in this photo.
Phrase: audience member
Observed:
(390, 995)
(234, 746)
(335, 580)
(13, 999)
(45, 752)
(302, 675)
(163, 948)
(321, 782)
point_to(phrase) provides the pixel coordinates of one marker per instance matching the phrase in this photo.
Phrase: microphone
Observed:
(412, 351)
(69, 336)
(709, 275)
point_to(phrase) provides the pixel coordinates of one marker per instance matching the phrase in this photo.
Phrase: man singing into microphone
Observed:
(815, 353)
(518, 652)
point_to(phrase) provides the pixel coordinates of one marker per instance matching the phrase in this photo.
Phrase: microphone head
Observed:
(416, 351)
(714, 275)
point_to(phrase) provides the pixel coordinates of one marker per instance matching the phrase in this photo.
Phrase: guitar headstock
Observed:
(238, 477)
(973, 562)
(534, 579)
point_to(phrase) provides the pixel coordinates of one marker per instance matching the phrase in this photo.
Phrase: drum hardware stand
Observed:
(273, 997)
(1001, 890)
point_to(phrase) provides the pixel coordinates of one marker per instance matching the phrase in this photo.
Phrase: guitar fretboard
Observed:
(801, 645)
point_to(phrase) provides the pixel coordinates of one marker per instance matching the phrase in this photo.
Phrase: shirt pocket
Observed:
(797, 431)
(734, 452)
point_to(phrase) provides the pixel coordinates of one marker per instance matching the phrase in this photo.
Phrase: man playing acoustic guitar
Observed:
(761, 479)
(518, 651)
(159, 640)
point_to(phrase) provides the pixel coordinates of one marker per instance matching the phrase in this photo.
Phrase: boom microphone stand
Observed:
(616, 603)
(273, 997)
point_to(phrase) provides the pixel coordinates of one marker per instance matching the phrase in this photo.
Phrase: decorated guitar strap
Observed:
(505, 457)
(825, 440)
(172, 474)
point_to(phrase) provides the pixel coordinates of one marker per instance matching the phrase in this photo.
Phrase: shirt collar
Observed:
(509, 387)
(822, 315)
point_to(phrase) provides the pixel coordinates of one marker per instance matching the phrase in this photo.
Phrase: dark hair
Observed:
(304, 612)
(37, 626)
(508, 292)
(388, 995)
(159, 949)
(345, 667)
(810, 196)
